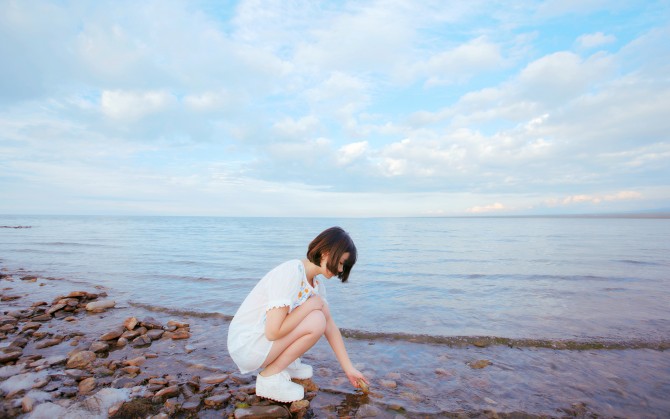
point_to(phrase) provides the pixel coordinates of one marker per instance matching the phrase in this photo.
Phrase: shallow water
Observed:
(423, 292)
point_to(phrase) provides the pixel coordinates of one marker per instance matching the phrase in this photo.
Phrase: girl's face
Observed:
(340, 266)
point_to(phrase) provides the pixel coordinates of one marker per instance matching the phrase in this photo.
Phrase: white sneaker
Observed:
(298, 370)
(279, 387)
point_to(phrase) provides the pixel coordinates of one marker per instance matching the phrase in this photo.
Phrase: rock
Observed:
(181, 334)
(114, 334)
(81, 359)
(30, 278)
(131, 334)
(47, 343)
(141, 341)
(78, 294)
(42, 318)
(151, 323)
(480, 343)
(443, 372)
(167, 392)
(159, 381)
(176, 324)
(479, 364)
(217, 400)
(308, 384)
(87, 385)
(9, 356)
(99, 347)
(99, 306)
(131, 370)
(368, 411)
(298, 406)
(259, 412)
(155, 334)
(68, 391)
(191, 404)
(135, 361)
(388, 383)
(55, 308)
(121, 342)
(215, 379)
(393, 376)
(27, 404)
(123, 382)
(130, 323)
(19, 343)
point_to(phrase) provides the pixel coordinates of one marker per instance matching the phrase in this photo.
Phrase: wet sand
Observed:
(198, 379)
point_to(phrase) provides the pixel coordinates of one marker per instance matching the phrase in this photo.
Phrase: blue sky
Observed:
(361, 108)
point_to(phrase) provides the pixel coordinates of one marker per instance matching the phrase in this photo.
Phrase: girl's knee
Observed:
(317, 321)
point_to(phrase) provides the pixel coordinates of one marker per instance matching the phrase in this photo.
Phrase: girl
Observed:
(286, 313)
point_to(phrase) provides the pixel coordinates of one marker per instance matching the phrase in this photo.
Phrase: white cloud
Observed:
(487, 208)
(594, 199)
(350, 152)
(130, 105)
(593, 40)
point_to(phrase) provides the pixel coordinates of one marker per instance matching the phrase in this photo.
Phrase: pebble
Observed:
(47, 343)
(130, 323)
(135, 361)
(388, 383)
(215, 379)
(99, 306)
(368, 411)
(114, 334)
(217, 400)
(81, 359)
(87, 385)
(258, 412)
(479, 364)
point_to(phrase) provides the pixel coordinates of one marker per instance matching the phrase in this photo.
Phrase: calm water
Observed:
(534, 278)
(556, 279)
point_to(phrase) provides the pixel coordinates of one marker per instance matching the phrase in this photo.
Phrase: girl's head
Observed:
(333, 245)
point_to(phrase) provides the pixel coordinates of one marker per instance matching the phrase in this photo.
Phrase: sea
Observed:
(571, 313)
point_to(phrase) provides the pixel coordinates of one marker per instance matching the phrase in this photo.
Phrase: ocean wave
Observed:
(453, 341)
(181, 312)
(484, 341)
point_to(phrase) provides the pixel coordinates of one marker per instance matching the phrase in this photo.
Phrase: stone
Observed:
(99, 306)
(130, 334)
(159, 381)
(217, 400)
(135, 361)
(141, 341)
(121, 342)
(87, 385)
(4, 319)
(388, 383)
(78, 294)
(298, 405)
(308, 384)
(131, 370)
(258, 412)
(68, 391)
(47, 343)
(130, 323)
(55, 308)
(368, 411)
(151, 323)
(99, 347)
(155, 334)
(42, 318)
(176, 324)
(9, 356)
(181, 334)
(81, 359)
(191, 404)
(393, 376)
(27, 404)
(167, 392)
(113, 334)
(479, 364)
(215, 379)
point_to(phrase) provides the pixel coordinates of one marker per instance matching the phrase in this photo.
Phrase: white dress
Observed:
(284, 286)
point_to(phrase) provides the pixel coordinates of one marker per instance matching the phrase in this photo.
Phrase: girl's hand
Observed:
(354, 375)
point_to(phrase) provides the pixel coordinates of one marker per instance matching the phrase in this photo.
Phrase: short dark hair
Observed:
(335, 242)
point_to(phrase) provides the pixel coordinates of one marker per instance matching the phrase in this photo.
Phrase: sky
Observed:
(334, 108)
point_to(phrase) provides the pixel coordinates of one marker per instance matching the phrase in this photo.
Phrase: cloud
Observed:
(134, 105)
(486, 208)
(594, 199)
(350, 152)
(595, 40)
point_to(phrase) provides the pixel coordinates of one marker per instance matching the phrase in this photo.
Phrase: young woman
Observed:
(286, 313)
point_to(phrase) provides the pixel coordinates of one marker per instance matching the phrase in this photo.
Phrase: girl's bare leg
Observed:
(297, 342)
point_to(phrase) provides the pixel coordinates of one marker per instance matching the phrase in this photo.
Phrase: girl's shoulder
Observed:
(293, 267)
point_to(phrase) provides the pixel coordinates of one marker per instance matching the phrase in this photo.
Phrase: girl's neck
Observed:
(311, 271)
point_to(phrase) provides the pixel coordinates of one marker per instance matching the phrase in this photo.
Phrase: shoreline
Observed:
(408, 379)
